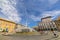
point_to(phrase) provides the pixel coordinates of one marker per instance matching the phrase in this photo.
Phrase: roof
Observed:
(7, 20)
(46, 17)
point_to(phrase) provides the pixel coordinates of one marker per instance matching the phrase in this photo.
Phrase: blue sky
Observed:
(31, 11)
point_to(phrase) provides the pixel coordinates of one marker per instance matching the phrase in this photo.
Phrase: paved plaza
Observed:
(49, 36)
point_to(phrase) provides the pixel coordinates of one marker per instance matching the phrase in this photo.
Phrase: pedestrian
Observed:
(54, 33)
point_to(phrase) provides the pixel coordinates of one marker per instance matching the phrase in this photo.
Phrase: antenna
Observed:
(26, 18)
(26, 23)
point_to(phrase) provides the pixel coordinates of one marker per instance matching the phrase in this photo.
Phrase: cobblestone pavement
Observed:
(30, 37)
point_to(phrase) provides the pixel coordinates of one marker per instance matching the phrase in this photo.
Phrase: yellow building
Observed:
(7, 26)
(57, 22)
(58, 18)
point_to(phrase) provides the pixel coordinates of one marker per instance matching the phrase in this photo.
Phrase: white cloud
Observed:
(9, 10)
(35, 18)
(45, 14)
(51, 13)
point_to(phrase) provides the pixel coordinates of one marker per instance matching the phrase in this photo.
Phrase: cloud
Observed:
(51, 13)
(9, 10)
(54, 14)
(35, 18)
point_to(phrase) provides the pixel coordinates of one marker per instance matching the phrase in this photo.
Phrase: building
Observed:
(36, 28)
(57, 22)
(22, 28)
(58, 18)
(46, 19)
(7, 26)
(47, 24)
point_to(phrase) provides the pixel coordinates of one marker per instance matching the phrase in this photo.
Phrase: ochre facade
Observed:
(7, 26)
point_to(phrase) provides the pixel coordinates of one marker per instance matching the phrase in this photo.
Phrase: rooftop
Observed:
(46, 17)
(7, 20)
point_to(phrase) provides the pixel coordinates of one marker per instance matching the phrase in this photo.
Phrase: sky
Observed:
(30, 11)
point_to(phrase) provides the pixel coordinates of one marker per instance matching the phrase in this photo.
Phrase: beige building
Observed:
(22, 28)
(46, 19)
(47, 24)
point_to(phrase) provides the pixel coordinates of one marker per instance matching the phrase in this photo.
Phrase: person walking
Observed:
(54, 33)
